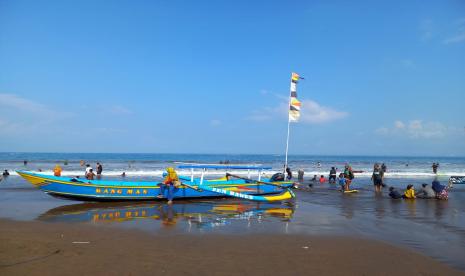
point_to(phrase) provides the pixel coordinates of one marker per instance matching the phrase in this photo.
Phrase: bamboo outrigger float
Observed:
(264, 190)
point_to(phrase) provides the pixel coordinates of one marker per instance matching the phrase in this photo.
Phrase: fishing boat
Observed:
(265, 190)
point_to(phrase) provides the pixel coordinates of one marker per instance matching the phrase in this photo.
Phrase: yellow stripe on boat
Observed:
(34, 180)
(283, 196)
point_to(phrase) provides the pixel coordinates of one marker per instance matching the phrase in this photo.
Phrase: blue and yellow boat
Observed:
(265, 190)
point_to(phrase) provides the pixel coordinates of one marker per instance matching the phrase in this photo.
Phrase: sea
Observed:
(432, 227)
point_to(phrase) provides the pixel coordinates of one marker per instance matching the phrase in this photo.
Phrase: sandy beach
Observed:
(37, 248)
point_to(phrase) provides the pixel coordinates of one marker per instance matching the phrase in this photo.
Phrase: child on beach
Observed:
(409, 192)
(322, 179)
(342, 181)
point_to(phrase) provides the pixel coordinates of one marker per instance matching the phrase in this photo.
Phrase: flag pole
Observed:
(293, 109)
(288, 131)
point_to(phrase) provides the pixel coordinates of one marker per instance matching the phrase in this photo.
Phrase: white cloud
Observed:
(311, 112)
(314, 113)
(456, 38)
(417, 129)
(19, 115)
(399, 124)
(459, 35)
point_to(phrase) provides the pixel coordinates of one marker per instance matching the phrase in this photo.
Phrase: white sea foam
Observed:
(216, 173)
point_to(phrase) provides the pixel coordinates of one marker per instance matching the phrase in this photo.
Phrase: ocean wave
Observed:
(159, 173)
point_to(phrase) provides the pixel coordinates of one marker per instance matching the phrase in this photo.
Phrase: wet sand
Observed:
(37, 248)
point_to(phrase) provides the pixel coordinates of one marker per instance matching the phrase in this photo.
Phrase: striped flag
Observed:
(294, 103)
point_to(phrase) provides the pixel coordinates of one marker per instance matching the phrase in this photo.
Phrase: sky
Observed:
(381, 77)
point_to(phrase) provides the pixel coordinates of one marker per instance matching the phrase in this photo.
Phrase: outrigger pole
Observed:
(294, 109)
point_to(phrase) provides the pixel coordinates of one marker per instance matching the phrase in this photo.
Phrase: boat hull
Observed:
(101, 190)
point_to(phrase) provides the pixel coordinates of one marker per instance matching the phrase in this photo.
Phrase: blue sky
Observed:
(213, 76)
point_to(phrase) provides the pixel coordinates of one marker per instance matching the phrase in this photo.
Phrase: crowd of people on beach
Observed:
(344, 179)
(436, 190)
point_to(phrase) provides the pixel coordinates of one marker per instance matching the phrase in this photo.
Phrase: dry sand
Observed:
(37, 248)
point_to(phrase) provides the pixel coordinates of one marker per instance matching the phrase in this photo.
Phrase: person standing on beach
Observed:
(348, 175)
(88, 169)
(383, 171)
(289, 173)
(435, 167)
(332, 175)
(90, 175)
(342, 181)
(300, 175)
(57, 170)
(99, 170)
(376, 178)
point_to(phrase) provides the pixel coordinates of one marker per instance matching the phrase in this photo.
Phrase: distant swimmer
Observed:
(57, 170)
(5, 173)
(123, 174)
(332, 175)
(25, 162)
(65, 162)
(82, 163)
(435, 167)
(318, 164)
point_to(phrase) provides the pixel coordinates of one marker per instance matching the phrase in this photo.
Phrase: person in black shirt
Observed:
(332, 175)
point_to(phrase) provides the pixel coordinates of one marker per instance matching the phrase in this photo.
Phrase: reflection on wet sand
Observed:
(209, 213)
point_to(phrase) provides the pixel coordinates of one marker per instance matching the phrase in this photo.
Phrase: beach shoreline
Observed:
(38, 248)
